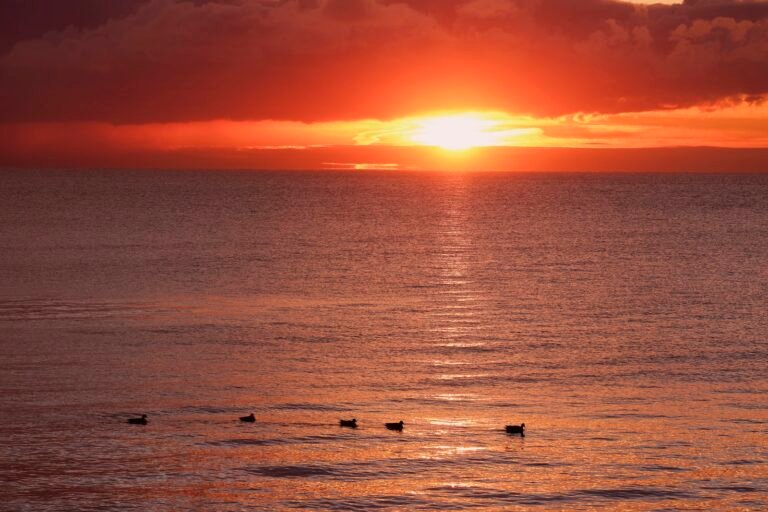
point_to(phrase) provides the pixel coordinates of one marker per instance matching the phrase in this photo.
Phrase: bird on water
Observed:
(395, 426)
(138, 421)
(250, 418)
(348, 423)
(516, 429)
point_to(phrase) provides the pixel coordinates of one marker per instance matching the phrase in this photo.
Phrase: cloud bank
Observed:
(150, 61)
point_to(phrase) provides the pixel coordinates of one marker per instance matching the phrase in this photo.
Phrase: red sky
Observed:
(345, 83)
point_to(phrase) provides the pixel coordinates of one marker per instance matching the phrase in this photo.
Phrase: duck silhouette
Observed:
(138, 421)
(348, 423)
(395, 426)
(516, 429)
(250, 418)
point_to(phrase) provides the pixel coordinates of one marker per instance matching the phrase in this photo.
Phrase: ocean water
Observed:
(621, 317)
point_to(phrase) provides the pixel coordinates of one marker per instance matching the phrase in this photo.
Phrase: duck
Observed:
(348, 423)
(250, 418)
(516, 429)
(138, 421)
(395, 426)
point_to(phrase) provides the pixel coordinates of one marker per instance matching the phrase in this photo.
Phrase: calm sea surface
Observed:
(623, 318)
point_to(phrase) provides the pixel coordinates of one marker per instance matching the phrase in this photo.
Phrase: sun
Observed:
(456, 132)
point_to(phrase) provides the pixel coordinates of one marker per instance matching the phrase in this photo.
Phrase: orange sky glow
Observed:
(364, 84)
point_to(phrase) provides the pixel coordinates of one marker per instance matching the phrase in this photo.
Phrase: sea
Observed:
(621, 317)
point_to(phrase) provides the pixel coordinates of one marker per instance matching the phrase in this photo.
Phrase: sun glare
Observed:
(456, 132)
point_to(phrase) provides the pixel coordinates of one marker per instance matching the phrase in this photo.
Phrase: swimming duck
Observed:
(138, 421)
(348, 423)
(395, 426)
(250, 418)
(516, 429)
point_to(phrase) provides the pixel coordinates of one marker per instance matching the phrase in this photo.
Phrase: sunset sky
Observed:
(391, 84)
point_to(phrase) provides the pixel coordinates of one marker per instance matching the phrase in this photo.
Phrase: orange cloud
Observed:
(626, 142)
(320, 60)
(735, 126)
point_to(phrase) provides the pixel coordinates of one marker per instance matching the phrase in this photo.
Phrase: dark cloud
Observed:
(29, 19)
(171, 60)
